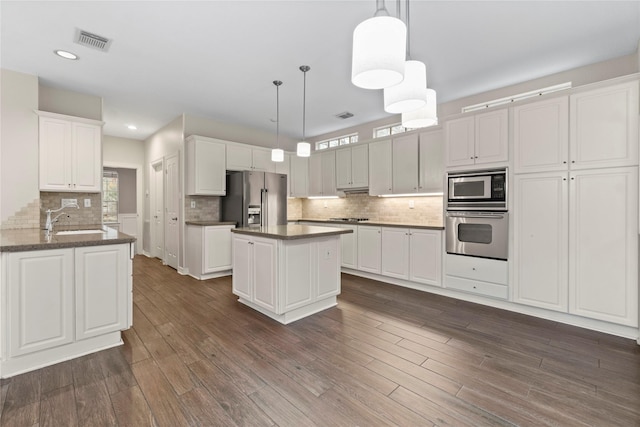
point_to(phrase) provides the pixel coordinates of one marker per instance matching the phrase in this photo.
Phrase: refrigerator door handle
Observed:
(265, 208)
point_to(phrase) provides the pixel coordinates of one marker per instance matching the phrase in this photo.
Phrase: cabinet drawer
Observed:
(482, 269)
(477, 287)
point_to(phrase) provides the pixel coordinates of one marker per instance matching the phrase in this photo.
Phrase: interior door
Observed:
(156, 203)
(172, 204)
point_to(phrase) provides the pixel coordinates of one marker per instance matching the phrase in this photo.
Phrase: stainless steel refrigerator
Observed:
(255, 199)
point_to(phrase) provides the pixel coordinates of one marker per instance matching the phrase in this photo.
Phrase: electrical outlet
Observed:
(87, 203)
(193, 203)
(67, 202)
(411, 204)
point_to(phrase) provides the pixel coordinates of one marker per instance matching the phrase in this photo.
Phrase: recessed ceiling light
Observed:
(132, 127)
(65, 54)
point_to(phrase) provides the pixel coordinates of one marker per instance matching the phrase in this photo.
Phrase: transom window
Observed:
(336, 142)
(389, 130)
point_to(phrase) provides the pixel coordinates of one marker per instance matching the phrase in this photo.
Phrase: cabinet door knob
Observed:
(564, 162)
(573, 161)
(476, 157)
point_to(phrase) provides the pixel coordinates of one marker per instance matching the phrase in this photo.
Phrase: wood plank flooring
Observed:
(385, 356)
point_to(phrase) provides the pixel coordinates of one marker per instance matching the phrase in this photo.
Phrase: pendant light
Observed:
(277, 154)
(378, 50)
(410, 94)
(422, 117)
(303, 149)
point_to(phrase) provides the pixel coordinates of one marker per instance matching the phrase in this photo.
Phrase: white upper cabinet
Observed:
(70, 152)
(299, 177)
(205, 166)
(541, 135)
(478, 140)
(380, 168)
(352, 167)
(245, 157)
(322, 174)
(431, 158)
(405, 164)
(603, 127)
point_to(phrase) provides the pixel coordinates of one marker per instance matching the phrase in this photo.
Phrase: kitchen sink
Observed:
(71, 232)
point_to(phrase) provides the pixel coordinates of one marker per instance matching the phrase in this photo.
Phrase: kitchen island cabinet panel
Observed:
(290, 273)
(263, 252)
(41, 308)
(101, 285)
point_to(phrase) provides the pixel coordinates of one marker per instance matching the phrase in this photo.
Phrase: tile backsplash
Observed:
(207, 208)
(426, 210)
(72, 216)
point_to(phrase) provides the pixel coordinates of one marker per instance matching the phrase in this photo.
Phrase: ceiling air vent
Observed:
(344, 115)
(91, 40)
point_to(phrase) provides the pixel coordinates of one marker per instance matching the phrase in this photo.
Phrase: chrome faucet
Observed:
(49, 224)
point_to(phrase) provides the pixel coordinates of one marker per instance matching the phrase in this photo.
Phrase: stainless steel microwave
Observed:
(477, 190)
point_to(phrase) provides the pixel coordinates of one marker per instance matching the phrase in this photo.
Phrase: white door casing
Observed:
(156, 203)
(172, 211)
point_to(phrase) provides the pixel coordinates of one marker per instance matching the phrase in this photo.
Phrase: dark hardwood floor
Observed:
(385, 356)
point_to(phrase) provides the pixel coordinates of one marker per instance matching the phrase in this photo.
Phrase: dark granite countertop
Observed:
(209, 223)
(291, 231)
(375, 223)
(34, 239)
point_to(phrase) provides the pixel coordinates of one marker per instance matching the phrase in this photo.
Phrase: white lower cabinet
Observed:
(63, 303)
(40, 296)
(482, 276)
(286, 279)
(209, 251)
(395, 252)
(254, 261)
(425, 256)
(101, 290)
(349, 243)
(369, 249)
(576, 242)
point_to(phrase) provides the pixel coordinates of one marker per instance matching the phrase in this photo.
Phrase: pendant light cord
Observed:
(304, 69)
(277, 83)
(408, 32)
(381, 9)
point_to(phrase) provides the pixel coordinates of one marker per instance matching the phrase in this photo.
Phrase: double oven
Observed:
(477, 219)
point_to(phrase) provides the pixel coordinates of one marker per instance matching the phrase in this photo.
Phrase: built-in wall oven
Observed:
(477, 221)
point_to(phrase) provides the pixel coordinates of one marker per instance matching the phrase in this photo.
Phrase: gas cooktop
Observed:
(349, 219)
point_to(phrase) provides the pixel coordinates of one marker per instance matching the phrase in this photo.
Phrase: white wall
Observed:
(71, 103)
(18, 142)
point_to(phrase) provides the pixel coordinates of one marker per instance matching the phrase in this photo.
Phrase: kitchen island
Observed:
(287, 272)
(62, 295)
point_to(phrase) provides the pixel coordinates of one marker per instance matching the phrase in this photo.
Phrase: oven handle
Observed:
(461, 215)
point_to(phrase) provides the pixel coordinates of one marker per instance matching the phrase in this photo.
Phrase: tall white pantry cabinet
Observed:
(575, 203)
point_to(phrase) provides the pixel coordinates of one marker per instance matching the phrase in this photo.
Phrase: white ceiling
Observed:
(217, 59)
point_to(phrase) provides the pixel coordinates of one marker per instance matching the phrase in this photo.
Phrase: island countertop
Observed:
(34, 239)
(291, 232)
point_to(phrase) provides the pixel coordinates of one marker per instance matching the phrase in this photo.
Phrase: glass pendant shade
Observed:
(425, 116)
(303, 149)
(378, 59)
(277, 155)
(409, 94)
